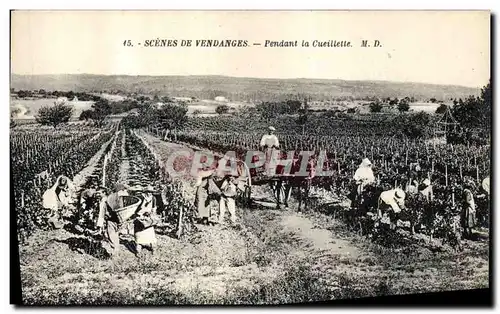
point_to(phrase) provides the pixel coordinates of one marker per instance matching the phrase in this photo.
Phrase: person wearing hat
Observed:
(364, 176)
(56, 198)
(268, 143)
(147, 218)
(205, 185)
(426, 189)
(227, 200)
(412, 188)
(393, 202)
(468, 208)
(89, 207)
(108, 217)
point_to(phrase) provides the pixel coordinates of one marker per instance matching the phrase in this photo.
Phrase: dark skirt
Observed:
(469, 218)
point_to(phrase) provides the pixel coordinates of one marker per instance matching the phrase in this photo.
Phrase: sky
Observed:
(439, 47)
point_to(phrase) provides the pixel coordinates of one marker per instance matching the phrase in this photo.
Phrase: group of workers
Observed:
(102, 213)
(209, 188)
(99, 213)
(392, 202)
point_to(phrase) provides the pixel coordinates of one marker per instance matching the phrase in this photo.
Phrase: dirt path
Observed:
(80, 178)
(271, 256)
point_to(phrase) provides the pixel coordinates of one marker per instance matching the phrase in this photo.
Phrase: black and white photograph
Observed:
(248, 157)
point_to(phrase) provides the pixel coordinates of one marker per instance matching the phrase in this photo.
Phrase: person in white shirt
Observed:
(486, 185)
(57, 198)
(364, 175)
(392, 201)
(426, 189)
(268, 143)
(269, 140)
(227, 200)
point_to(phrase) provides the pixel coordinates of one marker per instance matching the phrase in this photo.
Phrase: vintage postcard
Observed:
(250, 157)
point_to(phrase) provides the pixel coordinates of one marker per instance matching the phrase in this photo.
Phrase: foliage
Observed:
(269, 110)
(441, 109)
(146, 116)
(126, 105)
(57, 114)
(64, 151)
(393, 102)
(86, 115)
(475, 111)
(415, 125)
(375, 107)
(102, 109)
(403, 105)
(222, 109)
(172, 116)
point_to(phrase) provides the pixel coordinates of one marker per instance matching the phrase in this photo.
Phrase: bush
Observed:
(55, 115)
(221, 109)
(375, 107)
(441, 109)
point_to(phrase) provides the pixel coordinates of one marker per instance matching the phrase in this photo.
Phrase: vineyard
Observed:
(269, 256)
(397, 161)
(37, 158)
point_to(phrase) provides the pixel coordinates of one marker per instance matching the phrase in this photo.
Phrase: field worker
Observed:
(364, 175)
(107, 213)
(144, 225)
(468, 208)
(268, 143)
(269, 140)
(204, 186)
(484, 202)
(412, 188)
(392, 201)
(486, 185)
(227, 200)
(426, 189)
(89, 207)
(56, 198)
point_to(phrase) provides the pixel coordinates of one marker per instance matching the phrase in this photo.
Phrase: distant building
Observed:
(221, 99)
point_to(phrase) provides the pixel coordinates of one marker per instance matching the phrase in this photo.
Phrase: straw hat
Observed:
(366, 162)
(426, 182)
(271, 128)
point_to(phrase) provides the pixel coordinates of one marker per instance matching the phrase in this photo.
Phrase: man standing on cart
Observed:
(268, 143)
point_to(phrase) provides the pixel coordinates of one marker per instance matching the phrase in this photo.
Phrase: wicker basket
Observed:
(131, 203)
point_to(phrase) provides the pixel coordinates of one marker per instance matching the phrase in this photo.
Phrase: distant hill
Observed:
(237, 88)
